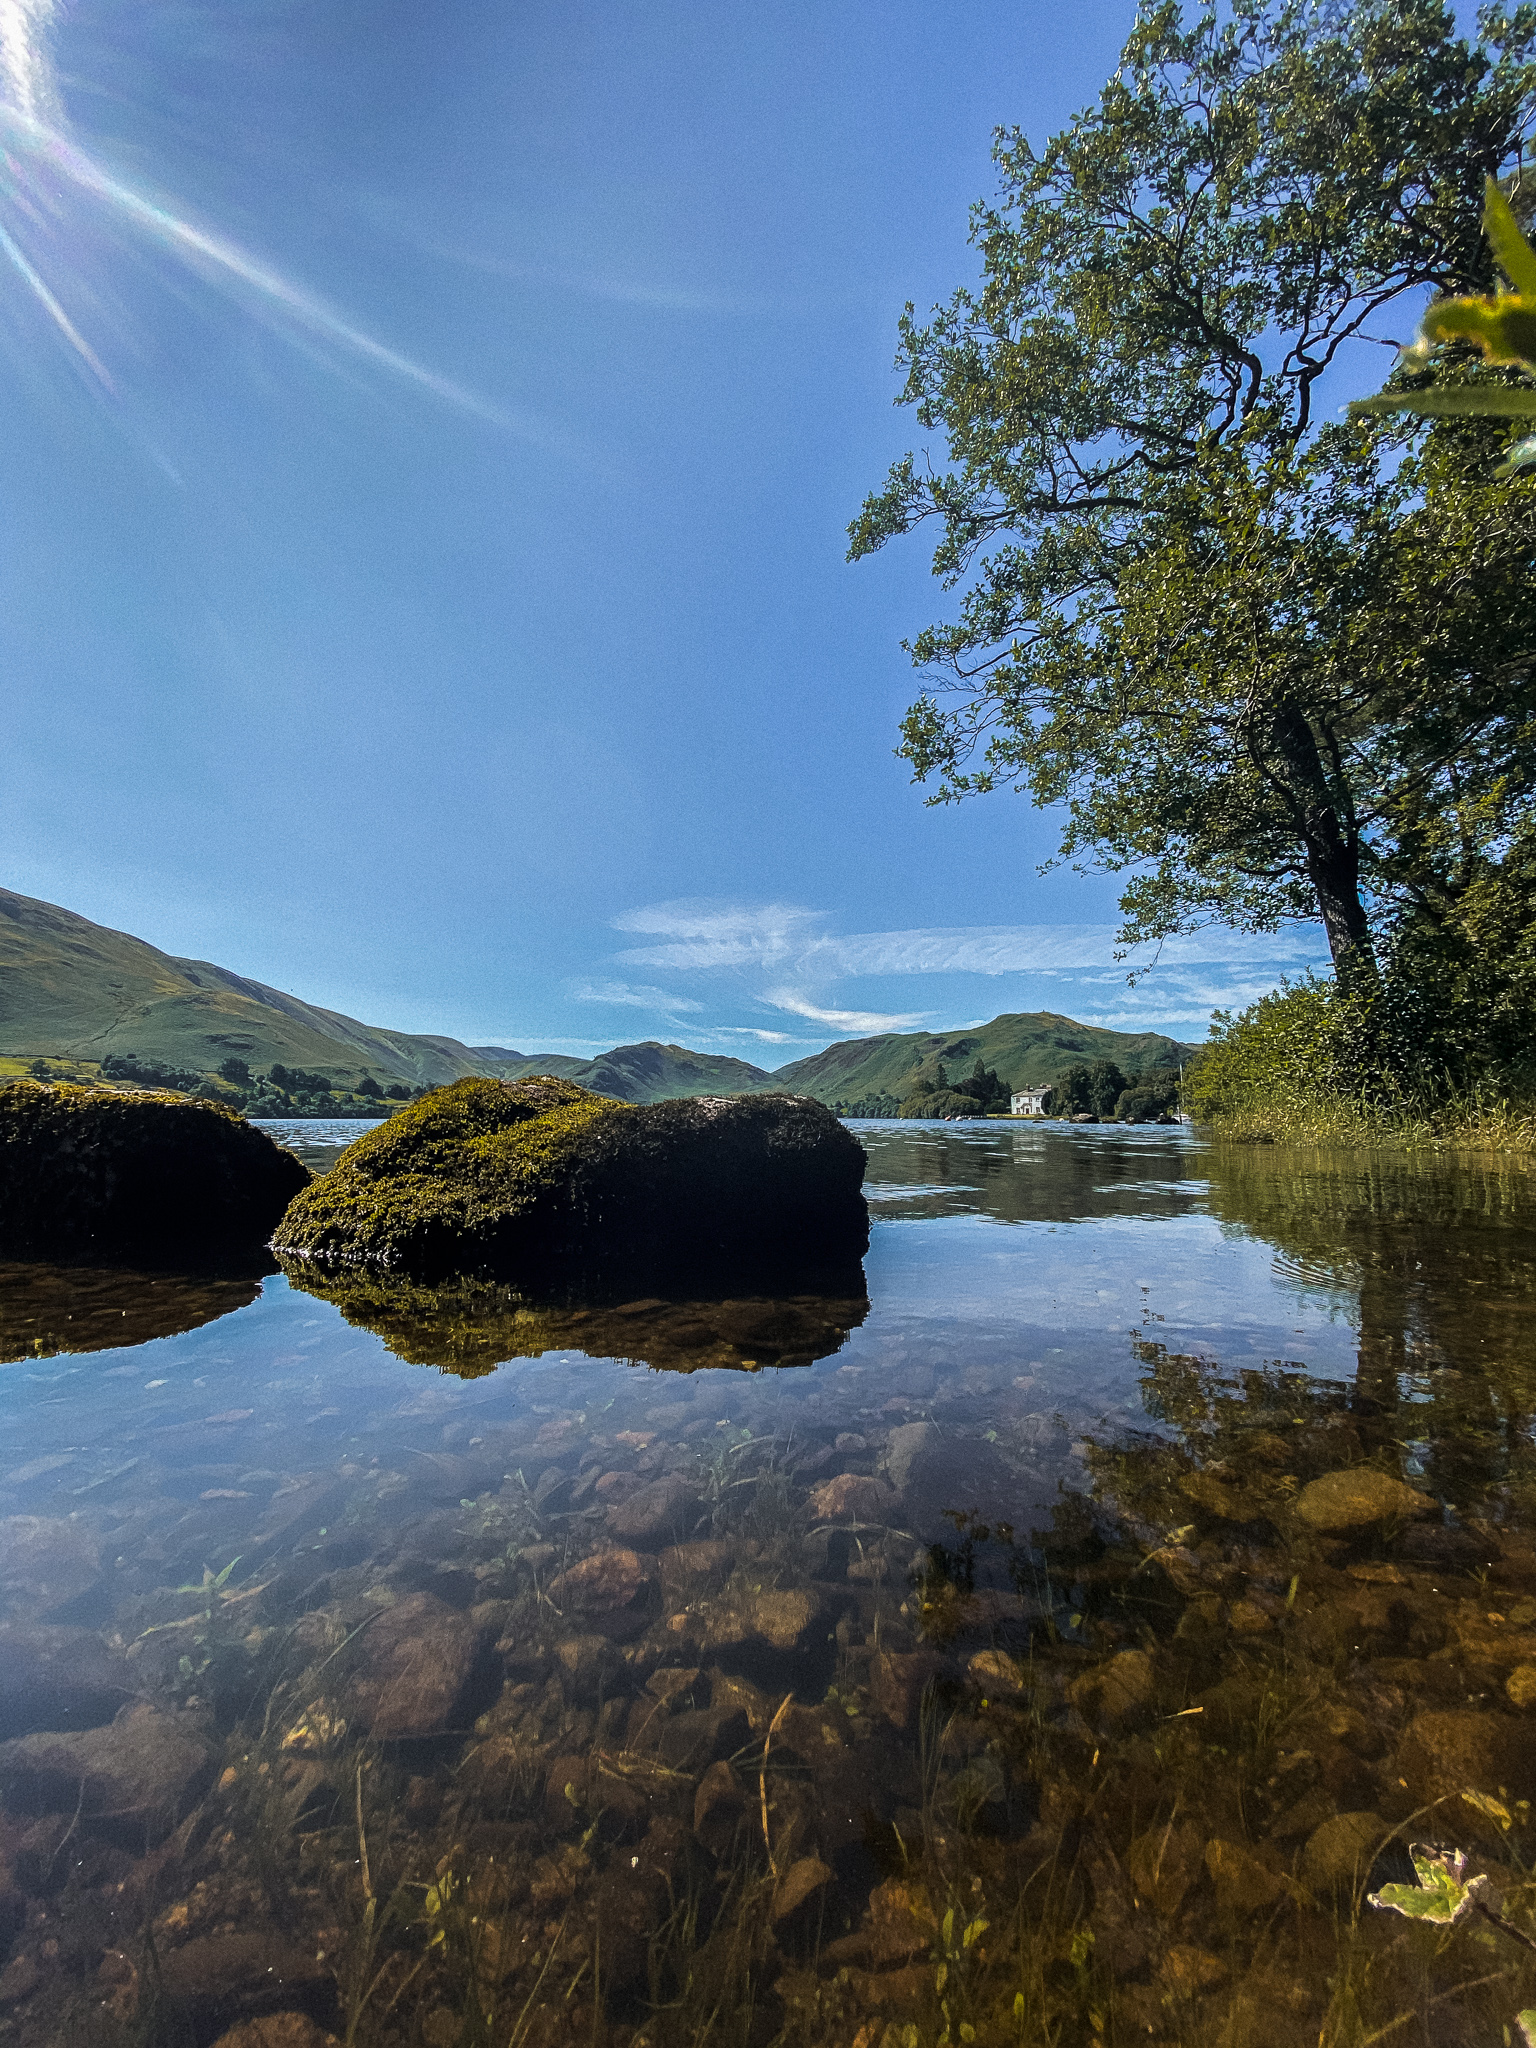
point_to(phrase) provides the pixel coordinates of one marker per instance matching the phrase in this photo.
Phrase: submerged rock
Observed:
(487, 1176)
(416, 1669)
(1357, 1498)
(45, 1562)
(134, 1779)
(89, 1172)
(58, 1678)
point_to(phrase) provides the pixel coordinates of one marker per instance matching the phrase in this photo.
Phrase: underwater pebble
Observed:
(1357, 1498)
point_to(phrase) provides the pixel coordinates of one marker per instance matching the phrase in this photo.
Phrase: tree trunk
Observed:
(1331, 844)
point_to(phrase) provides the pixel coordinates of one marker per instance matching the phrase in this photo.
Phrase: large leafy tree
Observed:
(1260, 659)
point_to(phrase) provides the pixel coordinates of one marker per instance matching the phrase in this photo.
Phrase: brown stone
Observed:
(277, 2030)
(1521, 1685)
(1357, 1498)
(779, 1618)
(600, 1584)
(902, 1921)
(1186, 1971)
(996, 1673)
(1339, 1854)
(414, 1669)
(1447, 1753)
(1117, 1689)
(852, 1496)
(896, 1682)
(135, 1778)
(1163, 1863)
(658, 1513)
(797, 1884)
(1242, 1883)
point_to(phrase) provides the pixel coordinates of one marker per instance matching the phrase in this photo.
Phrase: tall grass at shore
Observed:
(1305, 1065)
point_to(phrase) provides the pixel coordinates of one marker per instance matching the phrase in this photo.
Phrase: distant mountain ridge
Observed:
(70, 987)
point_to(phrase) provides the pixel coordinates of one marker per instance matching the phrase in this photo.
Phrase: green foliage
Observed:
(1247, 656)
(1444, 1894)
(294, 1081)
(236, 1070)
(1502, 329)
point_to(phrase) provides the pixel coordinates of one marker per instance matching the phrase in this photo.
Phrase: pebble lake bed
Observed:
(1057, 1642)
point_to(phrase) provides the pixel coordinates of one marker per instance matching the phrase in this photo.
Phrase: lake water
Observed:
(1052, 1645)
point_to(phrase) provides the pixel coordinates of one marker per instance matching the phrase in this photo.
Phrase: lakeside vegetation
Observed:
(1269, 665)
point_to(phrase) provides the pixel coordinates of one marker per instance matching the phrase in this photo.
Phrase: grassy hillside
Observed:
(69, 986)
(1025, 1048)
(77, 990)
(651, 1072)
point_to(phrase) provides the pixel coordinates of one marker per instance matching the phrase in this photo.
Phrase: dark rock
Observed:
(1445, 1754)
(44, 1563)
(488, 1176)
(690, 1740)
(214, 1980)
(719, 1806)
(134, 1779)
(897, 1680)
(58, 1678)
(658, 1513)
(417, 1667)
(602, 1584)
(85, 1171)
(1446, 1549)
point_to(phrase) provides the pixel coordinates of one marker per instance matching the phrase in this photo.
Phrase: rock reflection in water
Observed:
(45, 1310)
(470, 1327)
(571, 1705)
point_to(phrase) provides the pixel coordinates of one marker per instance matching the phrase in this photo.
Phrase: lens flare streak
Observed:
(36, 145)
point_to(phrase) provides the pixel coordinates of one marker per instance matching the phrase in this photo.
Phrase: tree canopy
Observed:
(1275, 668)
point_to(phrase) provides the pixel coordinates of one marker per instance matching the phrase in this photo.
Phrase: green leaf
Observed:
(1526, 2022)
(1442, 1896)
(1452, 401)
(1513, 252)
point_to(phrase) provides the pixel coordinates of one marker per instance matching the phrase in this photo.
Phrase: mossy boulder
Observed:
(90, 1173)
(501, 1178)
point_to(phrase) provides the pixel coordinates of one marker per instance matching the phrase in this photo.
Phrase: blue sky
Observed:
(428, 436)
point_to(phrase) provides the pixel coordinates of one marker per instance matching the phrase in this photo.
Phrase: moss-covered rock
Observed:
(514, 1177)
(89, 1173)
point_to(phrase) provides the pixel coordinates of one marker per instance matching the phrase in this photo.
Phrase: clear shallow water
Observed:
(1028, 1546)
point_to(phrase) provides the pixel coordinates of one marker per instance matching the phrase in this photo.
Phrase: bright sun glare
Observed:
(39, 162)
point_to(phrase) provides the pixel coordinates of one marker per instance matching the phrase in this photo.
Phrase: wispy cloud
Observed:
(784, 957)
(703, 932)
(635, 996)
(862, 1023)
(1047, 948)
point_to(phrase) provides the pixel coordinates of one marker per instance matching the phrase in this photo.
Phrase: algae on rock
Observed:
(487, 1175)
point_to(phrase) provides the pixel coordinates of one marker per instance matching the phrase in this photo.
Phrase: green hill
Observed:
(1026, 1048)
(73, 989)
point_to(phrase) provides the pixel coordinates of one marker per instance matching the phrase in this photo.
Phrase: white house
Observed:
(1029, 1101)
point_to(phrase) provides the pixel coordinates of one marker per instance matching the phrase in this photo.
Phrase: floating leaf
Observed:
(1443, 1894)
